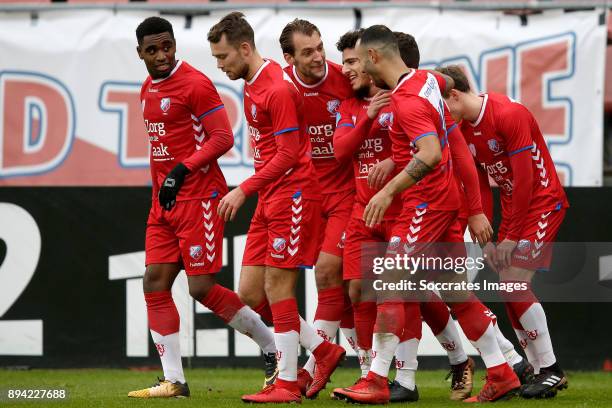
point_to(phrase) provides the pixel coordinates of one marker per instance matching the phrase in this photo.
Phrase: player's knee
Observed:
(327, 275)
(200, 290)
(354, 291)
(155, 281)
(251, 299)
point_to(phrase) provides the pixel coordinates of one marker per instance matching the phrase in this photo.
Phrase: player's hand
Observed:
(490, 255)
(379, 101)
(375, 210)
(504, 253)
(229, 205)
(480, 228)
(171, 186)
(379, 173)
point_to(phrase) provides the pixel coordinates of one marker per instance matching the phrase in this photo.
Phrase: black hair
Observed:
(153, 25)
(408, 48)
(349, 39)
(382, 35)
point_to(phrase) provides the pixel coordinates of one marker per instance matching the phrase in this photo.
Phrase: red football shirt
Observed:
(503, 129)
(418, 111)
(321, 102)
(274, 112)
(175, 111)
(367, 141)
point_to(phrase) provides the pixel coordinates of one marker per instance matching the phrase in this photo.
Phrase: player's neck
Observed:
(394, 71)
(254, 66)
(473, 104)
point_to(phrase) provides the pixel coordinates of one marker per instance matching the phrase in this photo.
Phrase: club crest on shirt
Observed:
(524, 246)
(394, 242)
(253, 111)
(279, 244)
(332, 106)
(493, 145)
(195, 251)
(385, 119)
(165, 104)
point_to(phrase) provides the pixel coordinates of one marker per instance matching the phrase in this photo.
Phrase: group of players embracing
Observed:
(370, 151)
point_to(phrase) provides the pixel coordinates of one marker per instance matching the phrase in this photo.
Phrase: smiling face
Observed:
(231, 59)
(309, 56)
(158, 53)
(351, 68)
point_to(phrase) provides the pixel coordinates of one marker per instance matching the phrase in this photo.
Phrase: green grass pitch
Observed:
(223, 387)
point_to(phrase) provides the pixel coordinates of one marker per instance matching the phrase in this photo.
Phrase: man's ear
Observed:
(245, 49)
(373, 55)
(138, 50)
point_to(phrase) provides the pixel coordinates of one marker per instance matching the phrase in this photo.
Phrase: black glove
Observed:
(171, 186)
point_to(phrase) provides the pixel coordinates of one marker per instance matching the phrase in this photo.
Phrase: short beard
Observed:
(244, 72)
(362, 92)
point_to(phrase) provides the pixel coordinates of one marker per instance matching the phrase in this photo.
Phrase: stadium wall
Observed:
(70, 113)
(72, 260)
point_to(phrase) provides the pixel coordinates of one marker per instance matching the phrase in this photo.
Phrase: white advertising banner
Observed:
(69, 83)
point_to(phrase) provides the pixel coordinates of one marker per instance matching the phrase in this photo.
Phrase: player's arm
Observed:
(486, 194)
(348, 136)
(479, 225)
(283, 112)
(514, 127)
(205, 102)
(423, 162)
(219, 139)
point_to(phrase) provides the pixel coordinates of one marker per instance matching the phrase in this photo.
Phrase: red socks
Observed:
(348, 320)
(161, 311)
(285, 316)
(263, 309)
(412, 322)
(365, 316)
(390, 318)
(435, 313)
(331, 304)
(223, 302)
(473, 317)
(518, 302)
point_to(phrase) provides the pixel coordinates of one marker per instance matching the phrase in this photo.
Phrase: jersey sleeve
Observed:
(203, 97)
(463, 160)
(206, 105)
(348, 136)
(416, 118)
(283, 110)
(285, 125)
(514, 125)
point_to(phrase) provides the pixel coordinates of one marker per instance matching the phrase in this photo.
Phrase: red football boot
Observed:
(340, 393)
(281, 392)
(303, 380)
(370, 390)
(498, 385)
(328, 357)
